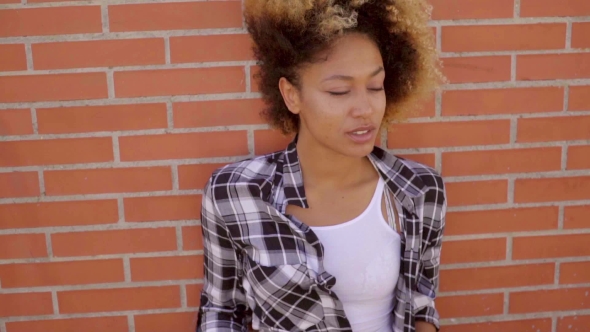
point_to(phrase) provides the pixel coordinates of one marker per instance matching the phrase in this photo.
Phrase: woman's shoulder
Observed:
(246, 171)
(429, 176)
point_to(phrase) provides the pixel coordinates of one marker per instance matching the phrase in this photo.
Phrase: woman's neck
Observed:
(323, 167)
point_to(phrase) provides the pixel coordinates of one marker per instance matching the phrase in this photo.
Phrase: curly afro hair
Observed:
(288, 34)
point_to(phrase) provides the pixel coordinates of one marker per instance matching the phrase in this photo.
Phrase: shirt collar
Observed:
(403, 182)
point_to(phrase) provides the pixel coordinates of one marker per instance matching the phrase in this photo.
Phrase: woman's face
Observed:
(341, 101)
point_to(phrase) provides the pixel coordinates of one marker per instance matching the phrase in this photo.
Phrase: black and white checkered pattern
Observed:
(261, 263)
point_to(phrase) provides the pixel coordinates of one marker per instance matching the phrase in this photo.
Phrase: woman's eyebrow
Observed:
(350, 78)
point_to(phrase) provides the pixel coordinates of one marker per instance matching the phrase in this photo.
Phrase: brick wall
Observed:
(113, 116)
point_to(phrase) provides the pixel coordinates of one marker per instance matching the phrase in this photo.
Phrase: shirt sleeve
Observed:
(433, 226)
(223, 303)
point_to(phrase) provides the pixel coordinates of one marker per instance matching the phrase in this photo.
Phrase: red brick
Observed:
(549, 300)
(16, 246)
(576, 323)
(90, 324)
(50, 21)
(530, 8)
(85, 119)
(555, 66)
(501, 161)
(179, 81)
(51, 214)
(467, 251)
(574, 273)
(552, 189)
(579, 98)
(177, 268)
(477, 69)
(477, 192)
(444, 134)
(154, 208)
(9, 1)
(175, 16)
(502, 101)
(211, 48)
(13, 57)
(15, 122)
(193, 294)
(195, 176)
(62, 273)
(550, 246)
(19, 184)
(25, 304)
(267, 141)
(56, 151)
(467, 9)
(508, 37)
(113, 242)
(55, 87)
(581, 35)
(192, 238)
(108, 180)
(178, 321)
(577, 217)
(217, 113)
(99, 53)
(529, 325)
(118, 299)
(497, 277)
(501, 221)
(470, 305)
(578, 157)
(183, 146)
(566, 128)
(423, 158)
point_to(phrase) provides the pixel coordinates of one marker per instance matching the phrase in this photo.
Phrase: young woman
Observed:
(332, 233)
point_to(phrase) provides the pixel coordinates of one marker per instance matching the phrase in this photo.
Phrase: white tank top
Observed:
(364, 256)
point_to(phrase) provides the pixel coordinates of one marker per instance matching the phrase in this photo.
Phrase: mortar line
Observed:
(251, 148)
(509, 244)
(55, 302)
(34, 121)
(29, 55)
(167, 50)
(110, 84)
(568, 35)
(564, 154)
(517, 8)
(131, 322)
(560, 217)
(121, 210)
(554, 322)
(566, 97)
(506, 306)
(513, 67)
(48, 245)
(383, 138)
(2, 326)
(510, 194)
(41, 179)
(104, 14)
(116, 152)
(170, 114)
(247, 73)
(127, 268)
(438, 103)
(438, 161)
(439, 38)
(175, 181)
(556, 276)
(179, 242)
(183, 296)
(513, 130)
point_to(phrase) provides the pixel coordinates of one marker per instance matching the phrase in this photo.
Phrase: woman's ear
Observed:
(290, 95)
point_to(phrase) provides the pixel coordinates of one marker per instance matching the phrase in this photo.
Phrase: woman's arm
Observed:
(435, 206)
(223, 303)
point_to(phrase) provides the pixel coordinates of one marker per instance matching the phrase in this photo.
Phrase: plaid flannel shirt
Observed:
(263, 266)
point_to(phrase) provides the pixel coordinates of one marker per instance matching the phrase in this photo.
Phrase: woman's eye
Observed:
(377, 89)
(337, 93)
